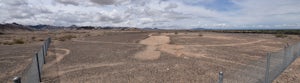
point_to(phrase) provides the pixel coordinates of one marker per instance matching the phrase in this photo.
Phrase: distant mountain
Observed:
(198, 29)
(11, 27)
(147, 28)
(44, 27)
(18, 27)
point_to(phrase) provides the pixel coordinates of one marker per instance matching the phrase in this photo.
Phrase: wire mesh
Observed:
(265, 69)
(32, 73)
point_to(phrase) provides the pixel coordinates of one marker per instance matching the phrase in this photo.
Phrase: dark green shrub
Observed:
(176, 33)
(66, 37)
(280, 35)
(8, 43)
(33, 38)
(18, 41)
(200, 34)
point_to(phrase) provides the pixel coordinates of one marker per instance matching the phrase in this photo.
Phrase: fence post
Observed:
(38, 67)
(267, 68)
(220, 77)
(43, 53)
(17, 80)
(286, 53)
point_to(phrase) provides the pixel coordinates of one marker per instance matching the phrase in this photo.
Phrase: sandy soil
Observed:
(135, 57)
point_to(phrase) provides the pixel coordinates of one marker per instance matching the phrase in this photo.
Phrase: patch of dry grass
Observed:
(200, 34)
(14, 41)
(280, 35)
(66, 37)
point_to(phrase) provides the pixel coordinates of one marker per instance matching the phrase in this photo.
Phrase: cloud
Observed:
(68, 2)
(171, 6)
(107, 2)
(14, 2)
(20, 9)
(153, 13)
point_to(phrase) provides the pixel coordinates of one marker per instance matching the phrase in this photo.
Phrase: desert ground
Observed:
(113, 56)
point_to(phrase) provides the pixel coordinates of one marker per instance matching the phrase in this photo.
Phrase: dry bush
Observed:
(41, 39)
(66, 37)
(18, 41)
(176, 33)
(87, 35)
(33, 38)
(1, 33)
(14, 41)
(280, 35)
(200, 34)
(8, 43)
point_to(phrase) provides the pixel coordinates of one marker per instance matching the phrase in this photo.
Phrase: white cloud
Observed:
(152, 13)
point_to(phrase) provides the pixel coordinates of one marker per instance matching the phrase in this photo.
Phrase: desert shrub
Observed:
(8, 43)
(200, 34)
(87, 35)
(280, 35)
(1, 33)
(18, 41)
(176, 33)
(33, 38)
(171, 42)
(66, 37)
(41, 39)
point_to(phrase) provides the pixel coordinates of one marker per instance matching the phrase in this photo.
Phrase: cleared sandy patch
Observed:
(151, 52)
(216, 36)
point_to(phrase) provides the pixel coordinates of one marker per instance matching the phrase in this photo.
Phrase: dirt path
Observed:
(151, 52)
(86, 66)
(88, 41)
(66, 69)
(59, 56)
(158, 44)
(234, 44)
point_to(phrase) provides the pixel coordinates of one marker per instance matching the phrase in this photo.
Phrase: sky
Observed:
(165, 14)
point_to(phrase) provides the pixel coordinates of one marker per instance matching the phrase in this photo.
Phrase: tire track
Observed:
(59, 56)
(83, 40)
(235, 44)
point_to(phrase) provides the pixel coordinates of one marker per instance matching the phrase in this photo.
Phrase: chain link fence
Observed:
(279, 61)
(265, 69)
(261, 70)
(33, 72)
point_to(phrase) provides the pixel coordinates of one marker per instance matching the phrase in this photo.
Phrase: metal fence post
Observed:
(17, 80)
(267, 69)
(286, 53)
(38, 67)
(44, 48)
(43, 53)
(220, 77)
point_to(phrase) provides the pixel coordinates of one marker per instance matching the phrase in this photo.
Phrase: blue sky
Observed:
(179, 14)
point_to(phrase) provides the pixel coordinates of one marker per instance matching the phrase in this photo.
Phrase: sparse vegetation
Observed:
(280, 35)
(176, 33)
(66, 37)
(33, 38)
(8, 43)
(87, 35)
(200, 34)
(18, 41)
(1, 33)
(293, 32)
(14, 41)
(41, 39)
